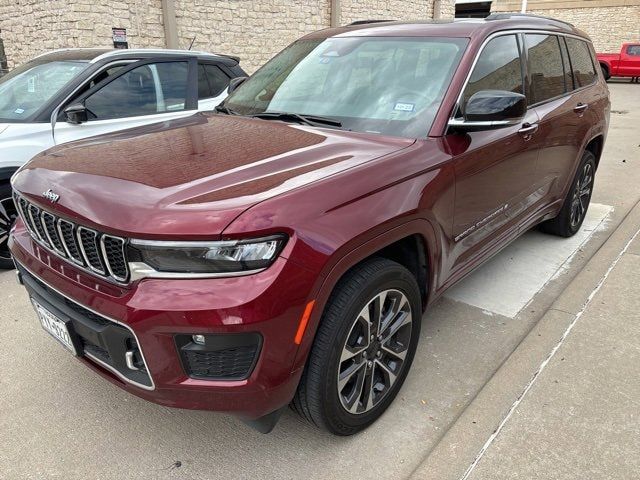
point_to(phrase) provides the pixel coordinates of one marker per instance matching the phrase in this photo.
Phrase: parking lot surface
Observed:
(60, 420)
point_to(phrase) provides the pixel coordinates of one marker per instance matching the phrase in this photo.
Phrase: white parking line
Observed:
(546, 361)
(510, 280)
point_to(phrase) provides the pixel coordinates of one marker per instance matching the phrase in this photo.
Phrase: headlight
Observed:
(233, 256)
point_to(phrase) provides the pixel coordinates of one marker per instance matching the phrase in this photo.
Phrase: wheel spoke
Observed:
(400, 321)
(345, 376)
(368, 393)
(391, 375)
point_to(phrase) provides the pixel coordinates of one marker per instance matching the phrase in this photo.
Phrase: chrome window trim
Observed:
(107, 366)
(79, 230)
(501, 33)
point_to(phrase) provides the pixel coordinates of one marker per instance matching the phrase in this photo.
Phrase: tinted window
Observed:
(584, 72)
(498, 68)
(568, 75)
(218, 80)
(148, 89)
(545, 67)
(634, 50)
(204, 91)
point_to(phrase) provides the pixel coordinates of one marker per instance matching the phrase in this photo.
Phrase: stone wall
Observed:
(609, 23)
(255, 30)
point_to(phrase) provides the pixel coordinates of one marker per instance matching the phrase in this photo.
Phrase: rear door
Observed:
(563, 97)
(630, 61)
(142, 93)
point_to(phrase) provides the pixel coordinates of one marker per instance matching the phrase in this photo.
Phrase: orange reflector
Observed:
(303, 322)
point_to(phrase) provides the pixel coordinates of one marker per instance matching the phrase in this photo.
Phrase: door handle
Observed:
(581, 108)
(528, 129)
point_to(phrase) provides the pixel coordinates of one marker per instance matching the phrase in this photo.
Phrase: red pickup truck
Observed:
(626, 63)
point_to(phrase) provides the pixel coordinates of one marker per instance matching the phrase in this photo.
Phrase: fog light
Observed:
(199, 339)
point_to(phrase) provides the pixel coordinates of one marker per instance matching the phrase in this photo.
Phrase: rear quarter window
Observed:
(584, 72)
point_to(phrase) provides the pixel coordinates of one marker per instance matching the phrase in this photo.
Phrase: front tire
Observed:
(576, 204)
(8, 215)
(363, 348)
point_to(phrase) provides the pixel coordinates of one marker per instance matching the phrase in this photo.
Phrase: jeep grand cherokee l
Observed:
(283, 250)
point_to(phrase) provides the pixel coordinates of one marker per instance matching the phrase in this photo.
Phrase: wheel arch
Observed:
(595, 146)
(414, 245)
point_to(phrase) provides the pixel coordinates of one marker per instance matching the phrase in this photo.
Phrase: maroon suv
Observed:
(283, 250)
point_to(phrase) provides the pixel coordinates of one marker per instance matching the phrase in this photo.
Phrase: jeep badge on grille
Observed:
(51, 196)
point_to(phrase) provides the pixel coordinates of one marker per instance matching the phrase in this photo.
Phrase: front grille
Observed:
(97, 252)
(228, 364)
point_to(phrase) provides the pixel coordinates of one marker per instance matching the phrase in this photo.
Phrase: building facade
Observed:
(254, 30)
(609, 23)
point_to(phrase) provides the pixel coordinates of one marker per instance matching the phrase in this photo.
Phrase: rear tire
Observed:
(576, 204)
(8, 215)
(363, 348)
(605, 72)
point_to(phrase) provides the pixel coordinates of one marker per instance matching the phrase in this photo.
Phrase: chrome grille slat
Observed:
(34, 214)
(88, 240)
(98, 253)
(49, 224)
(69, 242)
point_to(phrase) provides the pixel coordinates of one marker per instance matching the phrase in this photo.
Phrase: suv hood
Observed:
(190, 177)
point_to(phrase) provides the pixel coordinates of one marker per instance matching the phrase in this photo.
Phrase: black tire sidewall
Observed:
(5, 192)
(337, 419)
(587, 157)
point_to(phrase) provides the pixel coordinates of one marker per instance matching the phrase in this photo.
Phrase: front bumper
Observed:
(151, 318)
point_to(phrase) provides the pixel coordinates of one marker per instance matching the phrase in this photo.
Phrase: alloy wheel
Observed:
(374, 352)
(581, 195)
(8, 215)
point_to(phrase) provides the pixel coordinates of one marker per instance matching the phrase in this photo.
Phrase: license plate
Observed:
(55, 327)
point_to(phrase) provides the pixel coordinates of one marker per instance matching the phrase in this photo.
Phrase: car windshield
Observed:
(386, 85)
(25, 90)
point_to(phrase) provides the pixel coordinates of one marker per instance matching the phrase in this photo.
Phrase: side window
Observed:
(633, 50)
(204, 90)
(498, 68)
(545, 67)
(218, 80)
(146, 90)
(211, 81)
(584, 73)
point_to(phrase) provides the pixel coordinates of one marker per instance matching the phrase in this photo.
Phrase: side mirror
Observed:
(489, 109)
(76, 113)
(236, 82)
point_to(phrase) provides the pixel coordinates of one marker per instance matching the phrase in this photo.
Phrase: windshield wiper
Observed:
(312, 120)
(225, 110)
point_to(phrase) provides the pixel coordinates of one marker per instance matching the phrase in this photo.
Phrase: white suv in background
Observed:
(77, 93)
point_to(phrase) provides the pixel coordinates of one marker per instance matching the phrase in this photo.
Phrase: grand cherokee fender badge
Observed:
(51, 196)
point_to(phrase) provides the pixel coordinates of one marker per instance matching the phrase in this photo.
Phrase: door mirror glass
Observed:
(76, 113)
(236, 82)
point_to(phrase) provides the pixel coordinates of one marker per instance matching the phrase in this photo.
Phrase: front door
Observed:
(142, 93)
(495, 169)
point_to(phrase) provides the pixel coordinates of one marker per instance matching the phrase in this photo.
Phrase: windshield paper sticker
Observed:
(19, 111)
(404, 107)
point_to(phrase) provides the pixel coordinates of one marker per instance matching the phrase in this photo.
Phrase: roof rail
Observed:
(507, 16)
(365, 22)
